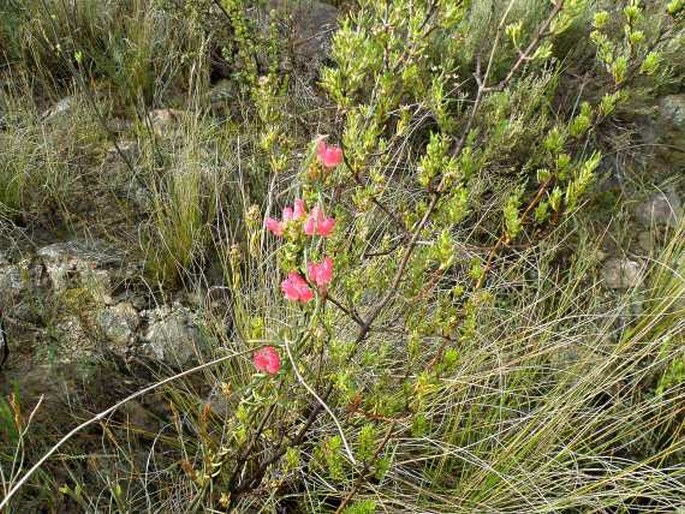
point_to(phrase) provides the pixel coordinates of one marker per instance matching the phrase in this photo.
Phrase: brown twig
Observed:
(365, 471)
(540, 34)
(349, 311)
(374, 199)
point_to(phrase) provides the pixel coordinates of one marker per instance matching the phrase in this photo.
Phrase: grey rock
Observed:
(164, 121)
(77, 251)
(311, 25)
(41, 381)
(645, 240)
(139, 196)
(140, 417)
(314, 23)
(621, 273)
(172, 336)
(60, 108)
(119, 125)
(218, 399)
(119, 324)
(11, 278)
(69, 261)
(649, 131)
(15, 279)
(128, 148)
(222, 90)
(628, 313)
(662, 208)
(673, 109)
(73, 341)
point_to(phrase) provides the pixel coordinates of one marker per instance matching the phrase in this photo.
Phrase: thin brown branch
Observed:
(540, 34)
(364, 473)
(349, 311)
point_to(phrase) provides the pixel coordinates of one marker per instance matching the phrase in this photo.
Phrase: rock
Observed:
(313, 24)
(649, 131)
(77, 252)
(222, 90)
(645, 240)
(73, 341)
(140, 417)
(628, 313)
(14, 278)
(128, 148)
(72, 261)
(223, 99)
(662, 208)
(163, 121)
(673, 109)
(172, 336)
(218, 399)
(119, 125)
(621, 273)
(60, 108)
(42, 382)
(11, 278)
(119, 324)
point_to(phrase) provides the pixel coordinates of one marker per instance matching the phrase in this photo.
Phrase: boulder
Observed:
(74, 343)
(165, 121)
(59, 109)
(15, 279)
(171, 336)
(74, 262)
(119, 324)
(672, 108)
(645, 241)
(662, 208)
(313, 24)
(621, 273)
(12, 278)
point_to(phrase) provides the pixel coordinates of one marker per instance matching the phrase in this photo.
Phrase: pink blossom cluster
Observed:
(318, 224)
(295, 287)
(330, 156)
(267, 360)
(315, 224)
(294, 213)
(320, 273)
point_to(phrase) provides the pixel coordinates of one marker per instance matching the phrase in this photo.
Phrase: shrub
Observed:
(417, 371)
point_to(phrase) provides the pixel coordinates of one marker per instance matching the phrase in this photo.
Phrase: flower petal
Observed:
(274, 226)
(267, 360)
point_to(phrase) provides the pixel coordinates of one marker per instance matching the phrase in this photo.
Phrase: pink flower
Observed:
(320, 273)
(295, 288)
(330, 156)
(300, 210)
(267, 360)
(275, 226)
(318, 224)
(289, 214)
